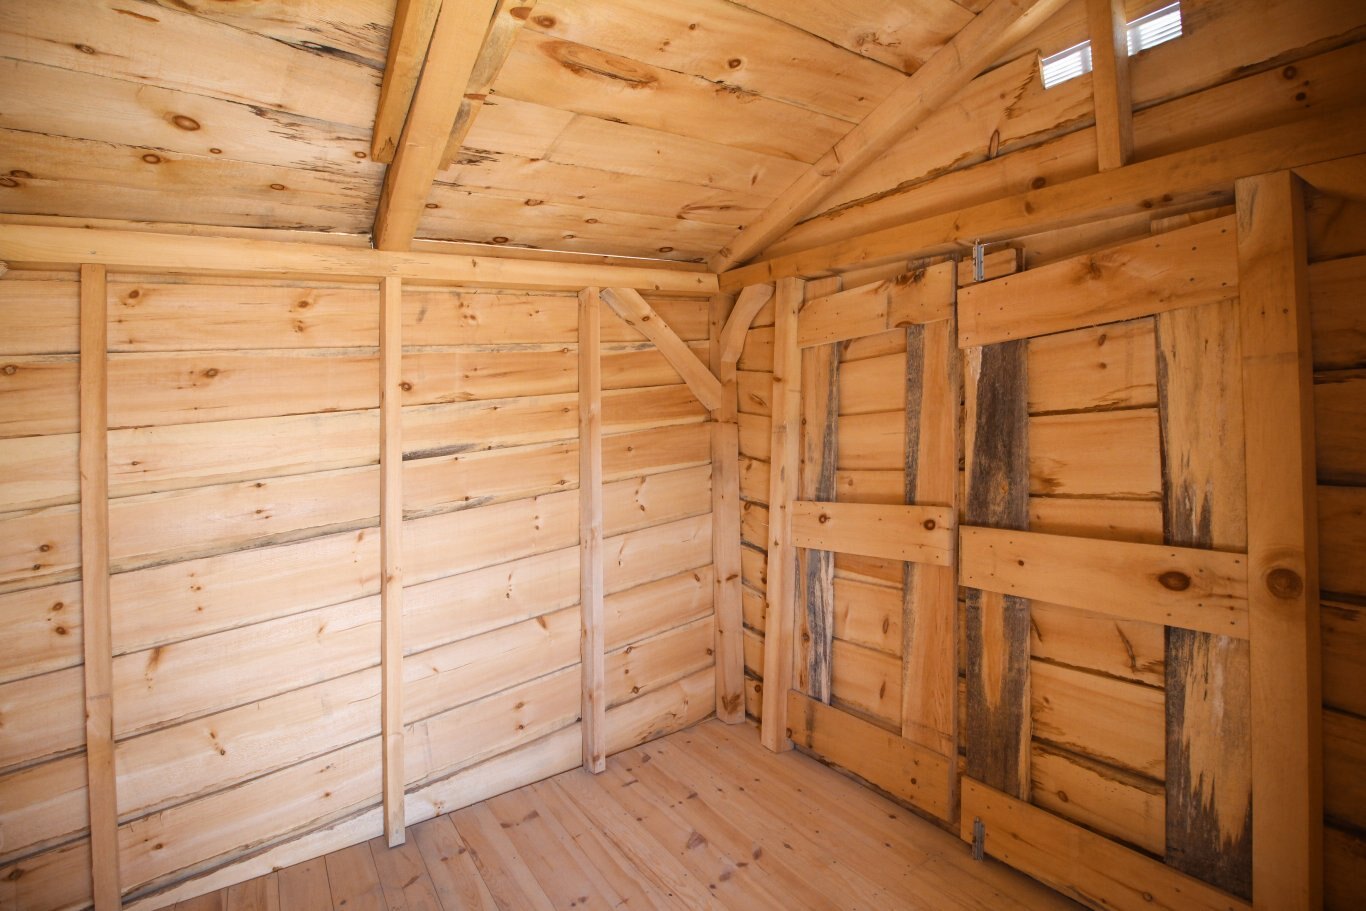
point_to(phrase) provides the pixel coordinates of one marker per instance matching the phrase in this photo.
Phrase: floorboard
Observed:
(702, 819)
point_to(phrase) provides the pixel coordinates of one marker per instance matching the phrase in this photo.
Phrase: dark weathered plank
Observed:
(998, 625)
(820, 413)
(1208, 716)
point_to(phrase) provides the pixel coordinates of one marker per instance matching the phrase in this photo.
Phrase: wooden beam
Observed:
(910, 299)
(1282, 544)
(637, 312)
(1204, 174)
(1188, 587)
(951, 68)
(784, 456)
(29, 246)
(725, 526)
(508, 20)
(1079, 863)
(391, 553)
(1110, 82)
(593, 643)
(750, 302)
(456, 40)
(1182, 268)
(408, 41)
(96, 634)
(921, 534)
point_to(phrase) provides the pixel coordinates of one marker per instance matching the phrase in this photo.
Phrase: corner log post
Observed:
(730, 318)
(1282, 544)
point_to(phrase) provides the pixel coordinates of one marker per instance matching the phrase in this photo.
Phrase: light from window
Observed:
(1144, 32)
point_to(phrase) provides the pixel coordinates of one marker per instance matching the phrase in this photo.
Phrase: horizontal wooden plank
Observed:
(1109, 366)
(467, 479)
(1173, 586)
(39, 546)
(164, 604)
(866, 681)
(656, 552)
(1115, 721)
(920, 534)
(1182, 268)
(183, 387)
(1100, 797)
(1340, 426)
(38, 395)
(868, 614)
(1342, 539)
(873, 384)
(922, 296)
(1339, 338)
(1344, 753)
(43, 804)
(43, 629)
(38, 316)
(39, 471)
(199, 316)
(637, 613)
(1114, 520)
(190, 678)
(872, 442)
(150, 252)
(1112, 454)
(490, 534)
(897, 766)
(1079, 863)
(655, 450)
(1344, 656)
(44, 715)
(643, 667)
(1128, 649)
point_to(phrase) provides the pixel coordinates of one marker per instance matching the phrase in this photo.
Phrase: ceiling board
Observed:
(902, 34)
(584, 80)
(727, 45)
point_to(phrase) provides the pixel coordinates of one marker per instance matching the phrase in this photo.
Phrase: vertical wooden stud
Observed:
(1110, 83)
(998, 625)
(391, 553)
(814, 635)
(725, 534)
(1282, 543)
(929, 690)
(97, 639)
(783, 469)
(1209, 765)
(592, 642)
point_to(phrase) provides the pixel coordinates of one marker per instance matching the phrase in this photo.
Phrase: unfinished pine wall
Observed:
(244, 502)
(1337, 284)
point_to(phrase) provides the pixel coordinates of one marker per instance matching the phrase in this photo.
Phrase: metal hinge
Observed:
(979, 261)
(979, 838)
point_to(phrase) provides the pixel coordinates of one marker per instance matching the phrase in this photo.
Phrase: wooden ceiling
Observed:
(625, 127)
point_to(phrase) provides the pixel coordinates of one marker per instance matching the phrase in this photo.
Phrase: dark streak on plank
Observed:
(820, 413)
(1208, 681)
(998, 648)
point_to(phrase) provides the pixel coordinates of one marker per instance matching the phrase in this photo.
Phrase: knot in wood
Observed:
(929, 525)
(823, 518)
(1284, 583)
(1173, 580)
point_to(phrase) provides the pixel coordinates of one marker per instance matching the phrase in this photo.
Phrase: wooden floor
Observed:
(705, 818)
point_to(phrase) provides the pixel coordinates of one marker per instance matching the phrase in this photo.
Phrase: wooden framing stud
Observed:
(1282, 544)
(96, 635)
(725, 529)
(391, 554)
(592, 637)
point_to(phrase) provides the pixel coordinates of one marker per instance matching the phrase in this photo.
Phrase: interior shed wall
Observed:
(244, 499)
(1096, 432)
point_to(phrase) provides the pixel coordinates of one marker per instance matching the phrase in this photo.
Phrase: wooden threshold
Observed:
(704, 818)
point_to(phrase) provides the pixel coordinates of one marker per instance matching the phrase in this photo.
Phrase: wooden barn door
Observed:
(865, 475)
(1137, 554)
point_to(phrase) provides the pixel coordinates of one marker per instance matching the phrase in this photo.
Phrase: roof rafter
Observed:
(457, 40)
(960, 61)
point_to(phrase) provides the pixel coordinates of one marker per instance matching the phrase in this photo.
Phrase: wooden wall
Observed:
(244, 502)
(1337, 284)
